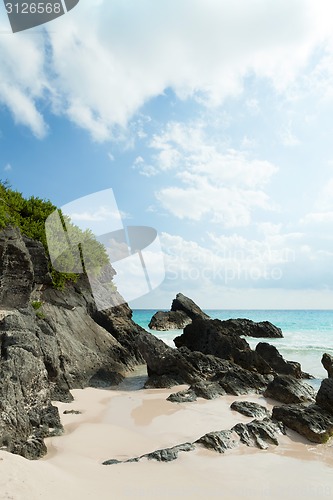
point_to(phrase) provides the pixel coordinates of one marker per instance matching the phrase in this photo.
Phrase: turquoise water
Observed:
(307, 334)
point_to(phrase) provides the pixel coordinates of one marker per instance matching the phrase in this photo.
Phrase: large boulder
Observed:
(210, 337)
(312, 422)
(190, 308)
(324, 397)
(169, 320)
(287, 389)
(273, 358)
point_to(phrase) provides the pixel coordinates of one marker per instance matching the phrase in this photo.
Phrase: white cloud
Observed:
(99, 64)
(8, 167)
(224, 184)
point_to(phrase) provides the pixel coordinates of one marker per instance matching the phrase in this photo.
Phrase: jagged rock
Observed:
(208, 390)
(190, 308)
(45, 353)
(72, 412)
(168, 454)
(16, 270)
(164, 455)
(205, 390)
(238, 381)
(289, 390)
(251, 360)
(168, 367)
(187, 396)
(170, 320)
(312, 422)
(327, 362)
(272, 356)
(261, 329)
(259, 433)
(210, 337)
(324, 397)
(219, 441)
(250, 409)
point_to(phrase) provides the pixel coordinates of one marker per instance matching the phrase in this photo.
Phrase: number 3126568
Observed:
(33, 8)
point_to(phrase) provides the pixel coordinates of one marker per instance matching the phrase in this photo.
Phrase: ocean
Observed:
(307, 334)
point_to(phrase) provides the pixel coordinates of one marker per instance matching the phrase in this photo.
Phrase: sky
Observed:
(211, 121)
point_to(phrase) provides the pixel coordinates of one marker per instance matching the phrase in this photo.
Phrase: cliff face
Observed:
(51, 341)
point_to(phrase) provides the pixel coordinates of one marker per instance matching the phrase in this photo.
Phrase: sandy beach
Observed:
(126, 423)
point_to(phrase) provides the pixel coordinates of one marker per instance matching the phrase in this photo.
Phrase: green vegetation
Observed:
(36, 304)
(30, 214)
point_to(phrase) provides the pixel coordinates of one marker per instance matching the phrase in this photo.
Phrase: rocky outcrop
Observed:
(287, 389)
(210, 337)
(167, 367)
(250, 409)
(273, 358)
(169, 320)
(183, 312)
(205, 390)
(190, 308)
(312, 422)
(258, 434)
(249, 328)
(51, 341)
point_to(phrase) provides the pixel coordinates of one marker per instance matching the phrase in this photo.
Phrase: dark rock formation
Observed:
(287, 390)
(66, 343)
(327, 362)
(312, 422)
(259, 433)
(274, 359)
(170, 320)
(187, 396)
(190, 308)
(261, 329)
(164, 455)
(324, 397)
(205, 390)
(183, 311)
(219, 441)
(210, 337)
(168, 367)
(250, 409)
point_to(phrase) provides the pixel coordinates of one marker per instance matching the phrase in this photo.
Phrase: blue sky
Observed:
(211, 120)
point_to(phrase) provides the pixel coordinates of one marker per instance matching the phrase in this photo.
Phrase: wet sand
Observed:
(126, 423)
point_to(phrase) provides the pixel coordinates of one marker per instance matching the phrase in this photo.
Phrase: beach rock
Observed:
(205, 390)
(171, 320)
(274, 359)
(190, 308)
(250, 409)
(237, 381)
(164, 455)
(72, 412)
(251, 360)
(287, 389)
(219, 441)
(312, 422)
(187, 396)
(249, 328)
(327, 362)
(259, 433)
(210, 337)
(324, 397)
